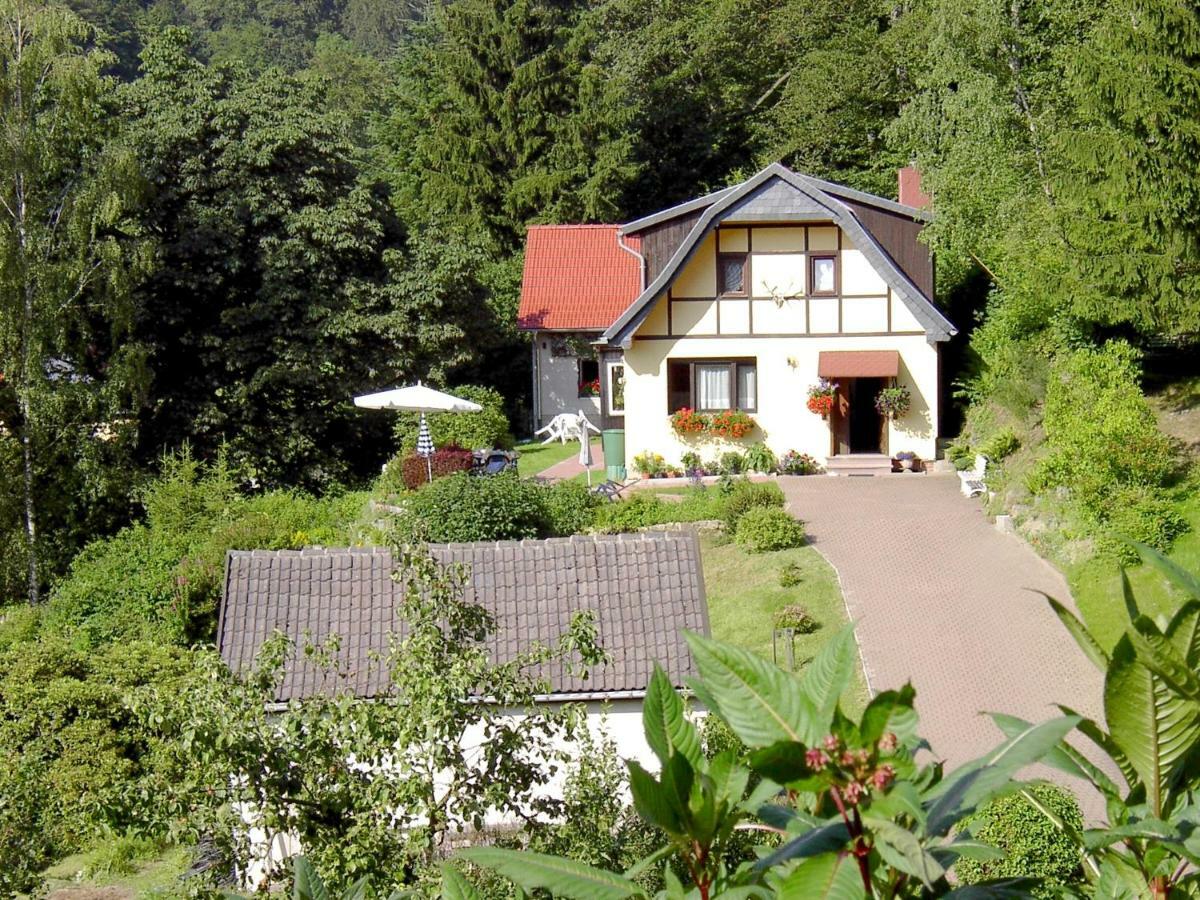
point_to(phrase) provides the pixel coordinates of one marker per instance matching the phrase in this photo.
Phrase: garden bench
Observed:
(971, 480)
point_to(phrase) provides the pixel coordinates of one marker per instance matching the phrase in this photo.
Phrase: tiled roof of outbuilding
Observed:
(644, 589)
(577, 277)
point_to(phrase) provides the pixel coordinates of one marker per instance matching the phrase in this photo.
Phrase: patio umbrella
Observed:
(422, 399)
(585, 453)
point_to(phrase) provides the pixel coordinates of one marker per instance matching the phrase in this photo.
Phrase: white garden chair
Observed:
(971, 481)
(566, 427)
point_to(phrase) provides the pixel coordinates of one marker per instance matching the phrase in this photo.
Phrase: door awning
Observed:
(858, 364)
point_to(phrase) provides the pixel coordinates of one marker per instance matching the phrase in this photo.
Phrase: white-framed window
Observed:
(616, 389)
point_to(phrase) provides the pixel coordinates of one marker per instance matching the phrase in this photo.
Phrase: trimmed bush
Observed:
(414, 470)
(464, 507)
(1033, 846)
(747, 495)
(484, 430)
(763, 529)
(571, 508)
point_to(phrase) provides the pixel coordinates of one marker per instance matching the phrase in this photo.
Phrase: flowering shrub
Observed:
(689, 422)
(732, 423)
(893, 401)
(445, 461)
(820, 397)
(589, 388)
(794, 463)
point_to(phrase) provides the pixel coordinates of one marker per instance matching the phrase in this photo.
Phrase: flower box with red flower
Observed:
(589, 388)
(688, 422)
(731, 423)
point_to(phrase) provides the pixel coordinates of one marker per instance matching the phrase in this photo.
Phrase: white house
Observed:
(745, 300)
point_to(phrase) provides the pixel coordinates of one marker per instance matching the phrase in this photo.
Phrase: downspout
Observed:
(537, 385)
(641, 261)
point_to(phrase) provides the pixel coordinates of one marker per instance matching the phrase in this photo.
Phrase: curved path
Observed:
(941, 598)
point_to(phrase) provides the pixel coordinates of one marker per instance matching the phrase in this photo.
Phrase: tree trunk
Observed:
(30, 507)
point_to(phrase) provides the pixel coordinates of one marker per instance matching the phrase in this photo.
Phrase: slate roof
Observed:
(781, 194)
(577, 277)
(645, 589)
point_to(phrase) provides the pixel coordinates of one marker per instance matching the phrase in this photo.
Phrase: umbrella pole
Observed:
(429, 468)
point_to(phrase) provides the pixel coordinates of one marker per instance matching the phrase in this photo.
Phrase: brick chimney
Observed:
(910, 188)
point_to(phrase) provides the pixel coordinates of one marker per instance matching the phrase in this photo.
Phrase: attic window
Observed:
(822, 275)
(731, 273)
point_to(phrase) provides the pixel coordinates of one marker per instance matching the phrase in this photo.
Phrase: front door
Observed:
(866, 424)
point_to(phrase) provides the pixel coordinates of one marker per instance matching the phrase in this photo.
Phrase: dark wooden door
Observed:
(866, 425)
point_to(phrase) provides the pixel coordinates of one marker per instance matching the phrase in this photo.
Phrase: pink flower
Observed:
(831, 743)
(883, 777)
(853, 792)
(888, 742)
(816, 759)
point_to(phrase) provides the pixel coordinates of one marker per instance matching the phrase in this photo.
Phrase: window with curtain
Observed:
(712, 385)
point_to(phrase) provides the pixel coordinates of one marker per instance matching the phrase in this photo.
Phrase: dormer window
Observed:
(731, 274)
(822, 275)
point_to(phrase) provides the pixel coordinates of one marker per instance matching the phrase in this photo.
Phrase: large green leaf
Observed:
(826, 678)
(901, 849)
(1000, 889)
(665, 721)
(759, 701)
(653, 801)
(1159, 655)
(883, 710)
(307, 884)
(561, 877)
(1184, 632)
(455, 886)
(1104, 741)
(1064, 757)
(1181, 577)
(833, 876)
(1088, 644)
(815, 842)
(1153, 726)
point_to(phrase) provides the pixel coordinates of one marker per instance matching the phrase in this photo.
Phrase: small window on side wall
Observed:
(616, 389)
(731, 274)
(822, 275)
(589, 378)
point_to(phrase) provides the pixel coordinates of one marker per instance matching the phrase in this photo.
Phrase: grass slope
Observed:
(82, 876)
(744, 593)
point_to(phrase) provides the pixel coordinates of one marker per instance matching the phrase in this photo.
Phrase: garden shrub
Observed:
(1032, 844)
(162, 577)
(463, 507)
(760, 458)
(415, 470)
(68, 721)
(571, 508)
(484, 430)
(639, 511)
(961, 455)
(1104, 443)
(747, 495)
(797, 618)
(762, 529)
(791, 575)
(1001, 444)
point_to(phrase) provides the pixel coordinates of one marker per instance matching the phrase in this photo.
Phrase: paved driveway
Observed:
(939, 598)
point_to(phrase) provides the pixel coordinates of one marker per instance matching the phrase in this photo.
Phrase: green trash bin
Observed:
(612, 441)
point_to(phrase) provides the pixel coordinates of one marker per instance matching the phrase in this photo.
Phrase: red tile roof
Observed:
(577, 277)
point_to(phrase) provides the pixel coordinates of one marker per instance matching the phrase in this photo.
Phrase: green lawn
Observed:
(1096, 584)
(744, 593)
(537, 457)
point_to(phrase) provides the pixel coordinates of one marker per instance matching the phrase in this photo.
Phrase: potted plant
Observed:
(820, 397)
(906, 458)
(731, 423)
(589, 388)
(893, 401)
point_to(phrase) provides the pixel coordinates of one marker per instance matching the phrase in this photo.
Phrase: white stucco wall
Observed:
(783, 419)
(558, 384)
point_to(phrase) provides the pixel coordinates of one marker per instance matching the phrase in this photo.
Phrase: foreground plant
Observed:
(1150, 846)
(851, 813)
